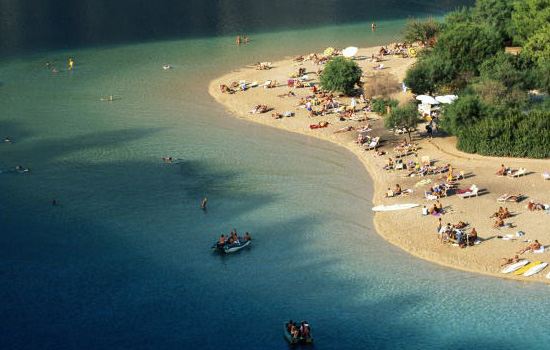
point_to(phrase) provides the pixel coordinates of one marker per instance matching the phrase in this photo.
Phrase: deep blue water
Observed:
(31, 25)
(123, 260)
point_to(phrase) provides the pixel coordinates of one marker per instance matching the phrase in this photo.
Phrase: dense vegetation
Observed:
(464, 55)
(341, 74)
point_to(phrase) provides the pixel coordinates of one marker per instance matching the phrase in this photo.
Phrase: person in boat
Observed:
(289, 326)
(304, 329)
(295, 331)
(203, 203)
(222, 241)
(247, 237)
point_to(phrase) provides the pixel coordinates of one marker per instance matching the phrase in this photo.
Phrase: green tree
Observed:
(461, 114)
(497, 14)
(466, 46)
(341, 74)
(508, 69)
(528, 17)
(406, 116)
(425, 32)
(537, 47)
(429, 75)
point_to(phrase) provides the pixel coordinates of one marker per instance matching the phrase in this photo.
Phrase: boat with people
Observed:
(298, 334)
(232, 243)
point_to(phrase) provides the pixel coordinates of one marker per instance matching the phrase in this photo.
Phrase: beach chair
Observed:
(429, 196)
(372, 144)
(469, 194)
(517, 173)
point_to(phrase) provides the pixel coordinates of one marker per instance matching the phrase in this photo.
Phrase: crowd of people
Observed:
(298, 331)
(233, 239)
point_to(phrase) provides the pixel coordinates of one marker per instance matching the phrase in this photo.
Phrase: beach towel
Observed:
(539, 251)
(423, 182)
(318, 126)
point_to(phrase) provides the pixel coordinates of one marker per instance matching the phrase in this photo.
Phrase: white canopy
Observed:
(349, 51)
(427, 99)
(448, 99)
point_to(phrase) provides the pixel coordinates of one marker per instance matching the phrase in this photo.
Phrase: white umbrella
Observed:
(427, 99)
(447, 99)
(349, 51)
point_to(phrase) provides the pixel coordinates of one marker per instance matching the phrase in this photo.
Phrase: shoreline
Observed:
(413, 233)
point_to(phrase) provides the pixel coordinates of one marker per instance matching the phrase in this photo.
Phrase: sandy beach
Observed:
(409, 229)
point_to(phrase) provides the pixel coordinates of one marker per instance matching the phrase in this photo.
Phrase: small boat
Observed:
(230, 248)
(299, 340)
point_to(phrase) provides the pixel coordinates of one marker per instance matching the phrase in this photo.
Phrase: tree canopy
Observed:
(341, 74)
(494, 87)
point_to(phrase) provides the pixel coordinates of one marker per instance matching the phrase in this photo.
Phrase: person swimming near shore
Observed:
(203, 203)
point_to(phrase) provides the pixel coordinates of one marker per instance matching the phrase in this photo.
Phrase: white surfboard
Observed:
(514, 267)
(394, 207)
(535, 269)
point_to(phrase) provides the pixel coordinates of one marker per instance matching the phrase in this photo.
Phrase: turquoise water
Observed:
(123, 260)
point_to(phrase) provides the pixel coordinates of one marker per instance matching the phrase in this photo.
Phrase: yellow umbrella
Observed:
(329, 51)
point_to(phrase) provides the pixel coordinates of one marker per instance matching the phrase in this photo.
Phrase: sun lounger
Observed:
(372, 144)
(517, 173)
(510, 198)
(429, 196)
(541, 250)
(469, 194)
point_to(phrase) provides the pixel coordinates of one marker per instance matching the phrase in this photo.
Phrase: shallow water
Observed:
(123, 260)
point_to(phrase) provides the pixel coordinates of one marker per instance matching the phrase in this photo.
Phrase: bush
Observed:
(515, 135)
(341, 74)
(379, 106)
(404, 116)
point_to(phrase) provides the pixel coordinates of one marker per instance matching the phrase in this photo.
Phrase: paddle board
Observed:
(394, 207)
(515, 266)
(535, 269)
(526, 268)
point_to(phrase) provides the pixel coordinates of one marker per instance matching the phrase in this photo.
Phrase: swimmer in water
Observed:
(71, 63)
(203, 203)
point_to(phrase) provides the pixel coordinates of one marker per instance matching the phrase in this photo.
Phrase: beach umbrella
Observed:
(329, 51)
(349, 51)
(427, 99)
(447, 99)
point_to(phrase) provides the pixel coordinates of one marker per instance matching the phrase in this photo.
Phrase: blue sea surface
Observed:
(124, 261)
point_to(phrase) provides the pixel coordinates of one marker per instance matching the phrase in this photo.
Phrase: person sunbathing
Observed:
(497, 214)
(532, 206)
(461, 225)
(508, 197)
(505, 214)
(502, 171)
(506, 261)
(389, 193)
(530, 248)
(344, 129)
(397, 190)
(498, 223)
